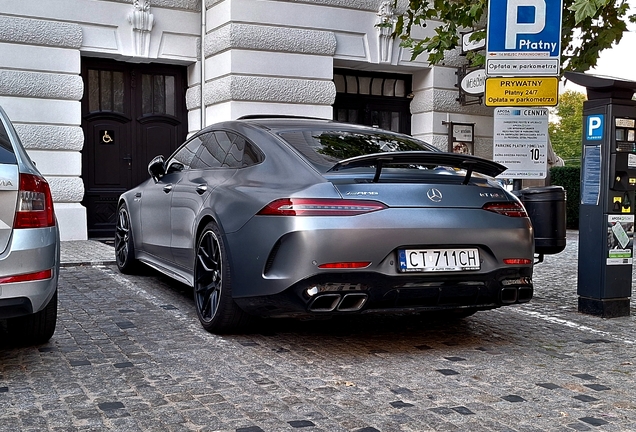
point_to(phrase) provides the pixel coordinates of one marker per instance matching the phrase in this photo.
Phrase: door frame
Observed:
(101, 202)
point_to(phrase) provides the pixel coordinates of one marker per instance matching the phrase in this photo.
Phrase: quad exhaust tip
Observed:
(511, 295)
(351, 302)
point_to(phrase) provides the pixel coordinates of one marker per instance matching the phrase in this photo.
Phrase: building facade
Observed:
(96, 88)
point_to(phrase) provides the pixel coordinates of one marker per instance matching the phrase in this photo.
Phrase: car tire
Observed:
(217, 311)
(124, 244)
(35, 328)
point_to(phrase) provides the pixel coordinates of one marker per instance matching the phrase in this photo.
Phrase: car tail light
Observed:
(35, 204)
(517, 261)
(345, 265)
(319, 207)
(512, 209)
(41, 275)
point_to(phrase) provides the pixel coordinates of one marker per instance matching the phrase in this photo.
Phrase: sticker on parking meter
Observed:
(620, 237)
(591, 175)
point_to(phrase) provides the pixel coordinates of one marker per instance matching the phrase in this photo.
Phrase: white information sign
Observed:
(463, 132)
(521, 142)
(474, 82)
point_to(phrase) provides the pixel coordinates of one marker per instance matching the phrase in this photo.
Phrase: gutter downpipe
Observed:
(203, 24)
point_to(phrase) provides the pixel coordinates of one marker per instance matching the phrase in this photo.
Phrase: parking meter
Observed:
(608, 187)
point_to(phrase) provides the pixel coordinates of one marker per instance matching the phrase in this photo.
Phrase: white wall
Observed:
(41, 44)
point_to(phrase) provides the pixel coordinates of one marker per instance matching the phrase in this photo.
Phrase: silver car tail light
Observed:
(512, 209)
(35, 204)
(319, 207)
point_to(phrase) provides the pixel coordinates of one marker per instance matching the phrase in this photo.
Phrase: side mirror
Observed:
(156, 168)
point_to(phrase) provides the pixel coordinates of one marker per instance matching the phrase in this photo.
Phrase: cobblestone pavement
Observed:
(129, 355)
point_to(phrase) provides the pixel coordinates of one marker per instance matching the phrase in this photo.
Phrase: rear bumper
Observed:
(363, 293)
(271, 254)
(29, 251)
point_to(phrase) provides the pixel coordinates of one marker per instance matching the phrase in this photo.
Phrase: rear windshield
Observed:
(327, 147)
(6, 149)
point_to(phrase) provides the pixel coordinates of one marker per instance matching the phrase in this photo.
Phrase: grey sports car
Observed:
(292, 217)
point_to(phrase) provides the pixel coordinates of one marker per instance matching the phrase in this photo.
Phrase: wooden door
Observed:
(130, 113)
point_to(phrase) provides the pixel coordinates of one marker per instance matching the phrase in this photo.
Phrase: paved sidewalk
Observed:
(129, 355)
(86, 252)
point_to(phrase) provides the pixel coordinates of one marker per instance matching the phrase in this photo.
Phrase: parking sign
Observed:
(594, 125)
(524, 38)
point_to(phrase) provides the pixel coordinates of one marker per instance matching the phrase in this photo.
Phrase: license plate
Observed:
(438, 260)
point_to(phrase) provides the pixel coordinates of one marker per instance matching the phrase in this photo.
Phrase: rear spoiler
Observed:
(453, 160)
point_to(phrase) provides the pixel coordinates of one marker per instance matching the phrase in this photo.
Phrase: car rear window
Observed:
(327, 147)
(7, 155)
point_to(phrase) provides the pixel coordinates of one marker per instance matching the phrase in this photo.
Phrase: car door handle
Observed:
(167, 188)
(201, 189)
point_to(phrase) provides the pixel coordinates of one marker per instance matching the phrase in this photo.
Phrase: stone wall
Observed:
(40, 89)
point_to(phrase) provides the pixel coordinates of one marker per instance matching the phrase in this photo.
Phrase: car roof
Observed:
(280, 123)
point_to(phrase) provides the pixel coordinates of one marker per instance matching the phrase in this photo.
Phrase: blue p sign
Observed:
(524, 17)
(594, 127)
(528, 26)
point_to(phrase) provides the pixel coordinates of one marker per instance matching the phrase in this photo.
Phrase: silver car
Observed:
(288, 217)
(30, 244)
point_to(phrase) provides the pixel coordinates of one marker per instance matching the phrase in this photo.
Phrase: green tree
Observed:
(565, 132)
(588, 27)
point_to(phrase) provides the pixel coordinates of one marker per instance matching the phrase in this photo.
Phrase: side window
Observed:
(210, 154)
(5, 141)
(241, 153)
(184, 157)
(251, 156)
(222, 149)
(6, 149)
(236, 146)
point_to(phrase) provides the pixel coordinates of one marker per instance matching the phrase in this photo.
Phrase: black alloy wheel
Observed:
(216, 309)
(124, 247)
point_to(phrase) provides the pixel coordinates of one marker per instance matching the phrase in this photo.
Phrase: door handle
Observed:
(202, 188)
(128, 160)
(167, 188)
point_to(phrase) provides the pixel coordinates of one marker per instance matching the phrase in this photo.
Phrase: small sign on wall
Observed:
(461, 138)
(107, 136)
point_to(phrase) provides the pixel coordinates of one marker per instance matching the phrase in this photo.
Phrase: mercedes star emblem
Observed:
(434, 195)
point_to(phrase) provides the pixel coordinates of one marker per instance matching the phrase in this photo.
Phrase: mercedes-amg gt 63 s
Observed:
(292, 217)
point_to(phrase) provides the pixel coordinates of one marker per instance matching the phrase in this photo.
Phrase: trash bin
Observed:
(546, 209)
